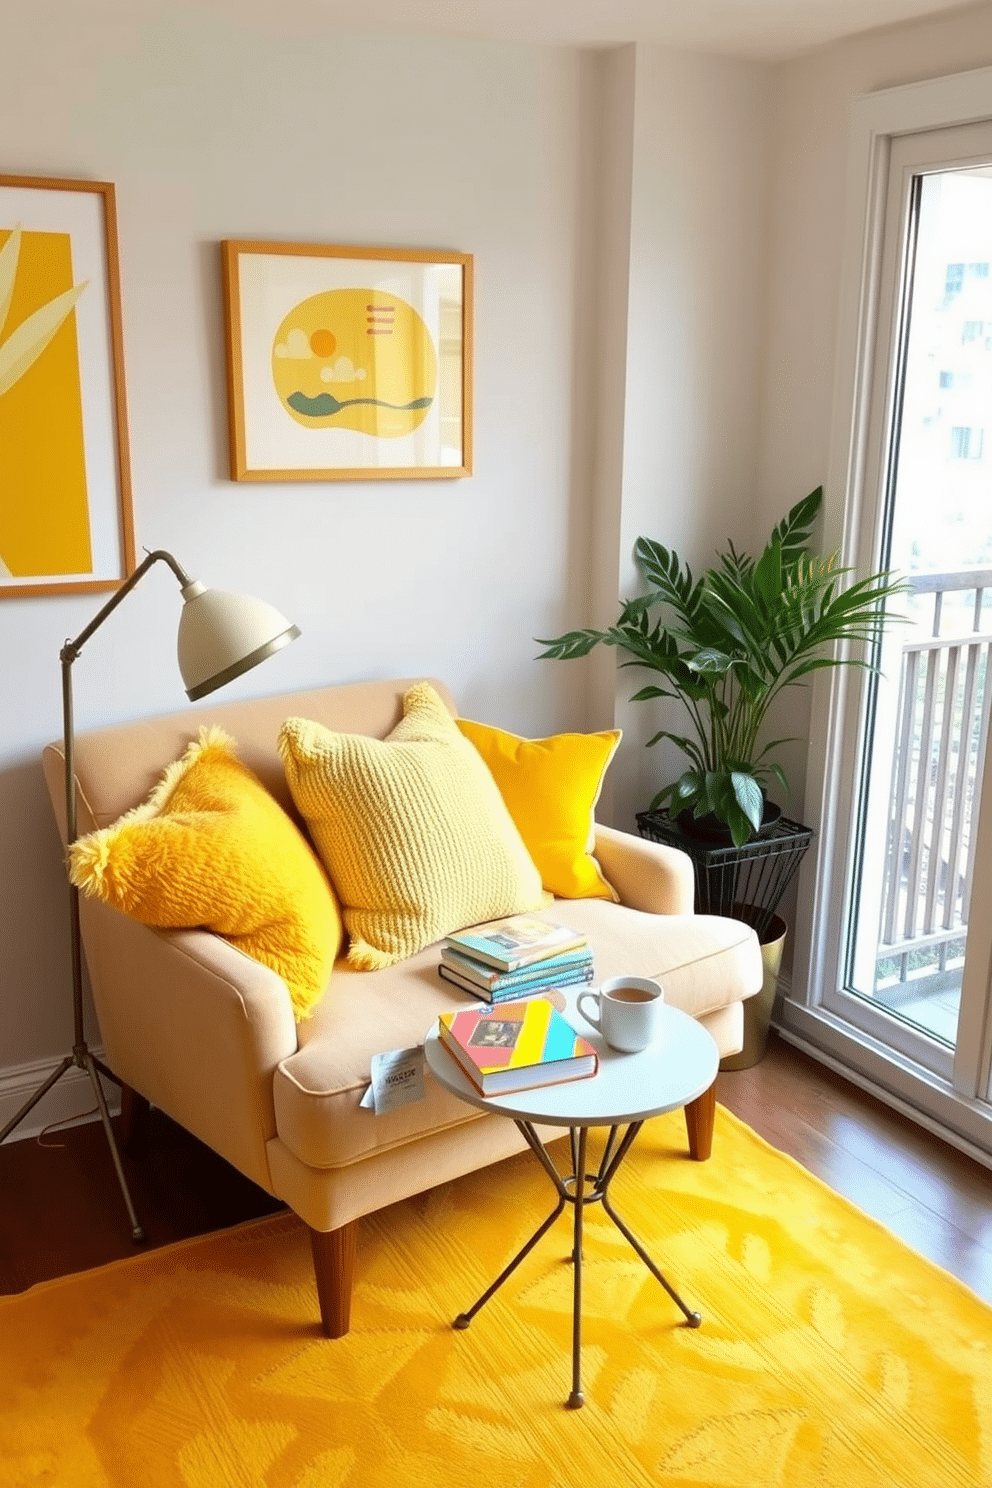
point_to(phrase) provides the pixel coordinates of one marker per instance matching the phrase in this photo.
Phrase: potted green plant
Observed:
(725, 645)
(732, 640)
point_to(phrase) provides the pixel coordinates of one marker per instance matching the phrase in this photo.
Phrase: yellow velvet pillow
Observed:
(411, 829)
(210, 847)
(551, 787)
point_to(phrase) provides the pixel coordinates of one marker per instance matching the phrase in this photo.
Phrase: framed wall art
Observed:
(65, 484)
(348, 363)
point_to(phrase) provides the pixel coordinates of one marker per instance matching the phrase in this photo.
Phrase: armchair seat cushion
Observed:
(702, 962)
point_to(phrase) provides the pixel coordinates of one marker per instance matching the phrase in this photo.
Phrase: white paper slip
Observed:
(397, 1080)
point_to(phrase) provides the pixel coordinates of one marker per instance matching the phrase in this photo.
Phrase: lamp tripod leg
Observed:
(82, 1057)
(137, 1233)
(30, 1104)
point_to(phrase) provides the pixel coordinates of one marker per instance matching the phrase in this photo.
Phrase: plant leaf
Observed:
(682, 793)
(768, 573)
(24, 346)
(687, 788)
(715, 785)
(572, 644)
(639, 605)
(741, 829)
(749, 795)
(689, 747)
(773, 744)
(795, 528)
(722, 793)
(646, 693)
(779, 774)
(709, 662)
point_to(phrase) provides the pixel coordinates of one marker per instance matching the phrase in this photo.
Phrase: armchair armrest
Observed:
(647, 875)
(193, 1025)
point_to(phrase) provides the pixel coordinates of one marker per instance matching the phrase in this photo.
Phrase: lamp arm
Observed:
(70, 652)
(71, 649)
(67, 656)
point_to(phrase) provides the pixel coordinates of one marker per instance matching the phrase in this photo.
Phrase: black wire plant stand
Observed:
(745, 883)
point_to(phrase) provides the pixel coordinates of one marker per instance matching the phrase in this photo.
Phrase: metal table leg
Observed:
(572, 1190)
(576, 1398)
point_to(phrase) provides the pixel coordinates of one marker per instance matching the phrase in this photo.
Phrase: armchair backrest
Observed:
(117, 767)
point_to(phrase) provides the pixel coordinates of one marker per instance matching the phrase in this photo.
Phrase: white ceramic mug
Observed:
(629, 1012)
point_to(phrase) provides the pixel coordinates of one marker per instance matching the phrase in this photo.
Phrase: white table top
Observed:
(673, 1071)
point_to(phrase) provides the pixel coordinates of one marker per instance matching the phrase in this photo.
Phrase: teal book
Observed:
(569, 977)
(517, 940)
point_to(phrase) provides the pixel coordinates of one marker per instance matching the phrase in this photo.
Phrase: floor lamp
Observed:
(221, 636)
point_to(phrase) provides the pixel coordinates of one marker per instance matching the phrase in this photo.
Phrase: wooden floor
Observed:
(61, 1209)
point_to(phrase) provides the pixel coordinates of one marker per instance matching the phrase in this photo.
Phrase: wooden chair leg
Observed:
(132, 1129)
(334, 1269)
(700, 1116)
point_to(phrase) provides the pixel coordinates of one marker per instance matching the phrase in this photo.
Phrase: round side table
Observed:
(625, 1091)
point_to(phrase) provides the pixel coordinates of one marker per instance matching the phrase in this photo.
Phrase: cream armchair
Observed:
(208, 1035)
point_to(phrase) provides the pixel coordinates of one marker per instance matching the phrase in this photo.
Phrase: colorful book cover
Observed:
(516, 1045)
(493, 980)
(581, 975)
(515, 941)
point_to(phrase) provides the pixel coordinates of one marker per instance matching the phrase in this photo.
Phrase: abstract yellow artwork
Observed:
(347, 363)
(65, 519)
(44, 521)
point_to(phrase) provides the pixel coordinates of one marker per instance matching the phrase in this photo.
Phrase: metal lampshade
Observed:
(222, 636)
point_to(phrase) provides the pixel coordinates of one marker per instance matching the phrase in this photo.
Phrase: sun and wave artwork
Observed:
(355, 358)
(348, 363)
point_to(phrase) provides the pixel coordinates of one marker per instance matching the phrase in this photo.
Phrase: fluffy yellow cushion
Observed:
(551, 787)
(210, 847)
(411, 829)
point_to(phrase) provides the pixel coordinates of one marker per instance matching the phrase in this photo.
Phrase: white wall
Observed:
(208, 131)
(694, 348)
(263, 127)
(683, 162)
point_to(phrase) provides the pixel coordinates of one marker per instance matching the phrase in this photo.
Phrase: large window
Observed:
(897, 969)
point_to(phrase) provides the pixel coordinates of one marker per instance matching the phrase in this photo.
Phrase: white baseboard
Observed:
(70, 1100)
(923, 1097)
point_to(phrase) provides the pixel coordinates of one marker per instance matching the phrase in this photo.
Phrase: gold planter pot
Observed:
(758, 1009)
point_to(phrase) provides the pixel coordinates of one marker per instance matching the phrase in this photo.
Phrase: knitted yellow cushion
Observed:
(411, 828)
(210, 847)
(551, 787)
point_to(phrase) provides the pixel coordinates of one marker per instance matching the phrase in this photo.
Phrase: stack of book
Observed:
(513, 957)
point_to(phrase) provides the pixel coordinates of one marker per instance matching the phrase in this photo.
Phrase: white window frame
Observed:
(877, 121)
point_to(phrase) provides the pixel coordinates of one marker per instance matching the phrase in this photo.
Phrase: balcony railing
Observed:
(941, 735)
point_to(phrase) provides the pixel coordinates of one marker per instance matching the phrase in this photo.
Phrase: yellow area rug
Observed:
(830, 1355)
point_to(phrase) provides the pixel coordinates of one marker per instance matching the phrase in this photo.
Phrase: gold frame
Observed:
(233, 251)
(115, 361)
